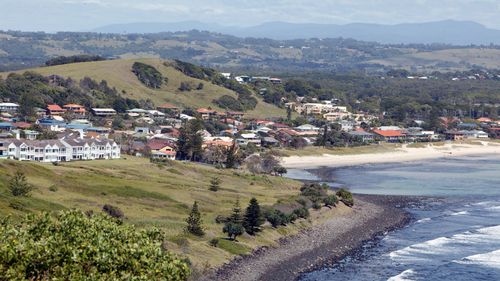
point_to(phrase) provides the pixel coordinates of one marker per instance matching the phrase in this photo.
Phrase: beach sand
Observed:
(323, 244)
(404, 154)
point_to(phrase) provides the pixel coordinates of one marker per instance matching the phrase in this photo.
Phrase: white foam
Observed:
(423, 220)
(445, 248)
(403, 276)
(490, 259)
(461, 213)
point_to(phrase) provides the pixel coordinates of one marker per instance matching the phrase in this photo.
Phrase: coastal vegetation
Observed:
(72, 59)
(72, 245)
(148, 75)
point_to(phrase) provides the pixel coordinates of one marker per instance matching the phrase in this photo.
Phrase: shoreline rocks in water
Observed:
(322, 245)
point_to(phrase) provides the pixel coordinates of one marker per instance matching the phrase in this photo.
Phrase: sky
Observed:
(84, 15)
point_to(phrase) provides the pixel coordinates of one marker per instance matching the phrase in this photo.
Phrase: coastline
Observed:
(323, 244)
(404, 154)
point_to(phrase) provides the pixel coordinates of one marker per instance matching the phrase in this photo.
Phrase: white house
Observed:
(9, 107)
(248, 138)
(104, 112)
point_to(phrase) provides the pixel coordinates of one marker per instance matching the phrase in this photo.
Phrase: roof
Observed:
(54, 107)
(22, 125)
(389, 133)
(168, 106)
(72, 105)
(157, 144)
(9, 104)
(104, 109)
(205, 110)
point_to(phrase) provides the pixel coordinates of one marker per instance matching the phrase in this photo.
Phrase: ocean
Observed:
(456, 231)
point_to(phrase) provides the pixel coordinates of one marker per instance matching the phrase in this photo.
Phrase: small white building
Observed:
(103, 112)
(9, 107)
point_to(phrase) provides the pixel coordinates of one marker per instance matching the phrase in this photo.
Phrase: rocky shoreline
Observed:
(322, 245)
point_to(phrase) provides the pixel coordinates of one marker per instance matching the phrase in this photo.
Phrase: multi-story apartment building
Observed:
(60, 150)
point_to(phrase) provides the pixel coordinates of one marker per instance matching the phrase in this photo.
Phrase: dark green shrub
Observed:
(345, 197)
(214, 242)
(148, 75)
(316, 205)
(113, 211)
(301, 212)
(330, 200)
(53, 188)
(73, 246)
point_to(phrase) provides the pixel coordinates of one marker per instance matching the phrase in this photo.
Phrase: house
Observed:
(336, 116)
(91, 149)
(169, 108)
(224, 142)
(54, 109)
(269, 142)
(454, 135)
(307, 128)
(363, 136)
(475, 134)
(103, 112)
(245, 139)
(390, 135)
(51, 124)
(6, 126)
(75, 108)
(206, 114)
(162, 149)
(9, 107)
(235, 114)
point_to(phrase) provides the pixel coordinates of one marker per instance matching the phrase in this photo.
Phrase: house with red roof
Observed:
(74, 108)
(162, 149)
(390, 135)
(206, 113)
(54, 109)
(169, 108)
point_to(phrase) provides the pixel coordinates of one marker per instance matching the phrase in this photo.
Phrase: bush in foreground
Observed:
(345, 196)
(73, 246)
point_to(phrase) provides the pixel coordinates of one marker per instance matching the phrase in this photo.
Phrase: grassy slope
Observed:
(118, 74)
(161, 196)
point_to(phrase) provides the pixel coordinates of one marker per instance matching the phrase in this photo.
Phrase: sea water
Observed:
(456, 231)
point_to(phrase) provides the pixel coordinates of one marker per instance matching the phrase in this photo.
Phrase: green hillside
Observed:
(118, 73)
(162, 197)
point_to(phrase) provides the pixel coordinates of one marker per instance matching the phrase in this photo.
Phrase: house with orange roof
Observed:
(169, 108)
(235, 114)
(74, 108)
(54, 109)
(390, 135)
(206, 113)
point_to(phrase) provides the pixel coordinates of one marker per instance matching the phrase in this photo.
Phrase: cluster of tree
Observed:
(73, 59)
(333, 136)
(190, 141)
(188, 86)
(148, 75)
(278, 218)
(72, 245)
(264, 163)
(245, 101)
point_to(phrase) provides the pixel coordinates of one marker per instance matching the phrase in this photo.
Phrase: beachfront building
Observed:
(61, 150)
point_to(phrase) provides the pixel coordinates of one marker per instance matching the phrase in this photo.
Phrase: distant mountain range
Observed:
(444, 32)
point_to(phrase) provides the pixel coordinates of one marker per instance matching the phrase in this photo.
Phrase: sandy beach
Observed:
(322, 245)
(403, 154)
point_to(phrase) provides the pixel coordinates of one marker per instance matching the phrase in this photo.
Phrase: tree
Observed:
(113, 211)
(72, 245)
(279, 170)
(19, 186)
(190, 141)
(330, 201)
(345, 197)
(214, 184)
(148, 75)
(231, 156)
(253, 217)
(194, 221)
(234, 225)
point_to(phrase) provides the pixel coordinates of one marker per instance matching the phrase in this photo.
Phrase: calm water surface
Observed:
(455, 237)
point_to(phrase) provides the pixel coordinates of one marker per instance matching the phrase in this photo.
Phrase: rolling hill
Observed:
(118, 74)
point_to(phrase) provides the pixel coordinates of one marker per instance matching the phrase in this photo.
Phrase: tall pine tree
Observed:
(194, 221)
(234, 225)
(253, 217)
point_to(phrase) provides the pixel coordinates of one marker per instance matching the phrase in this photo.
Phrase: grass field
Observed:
(151, 194)
(118, 74)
